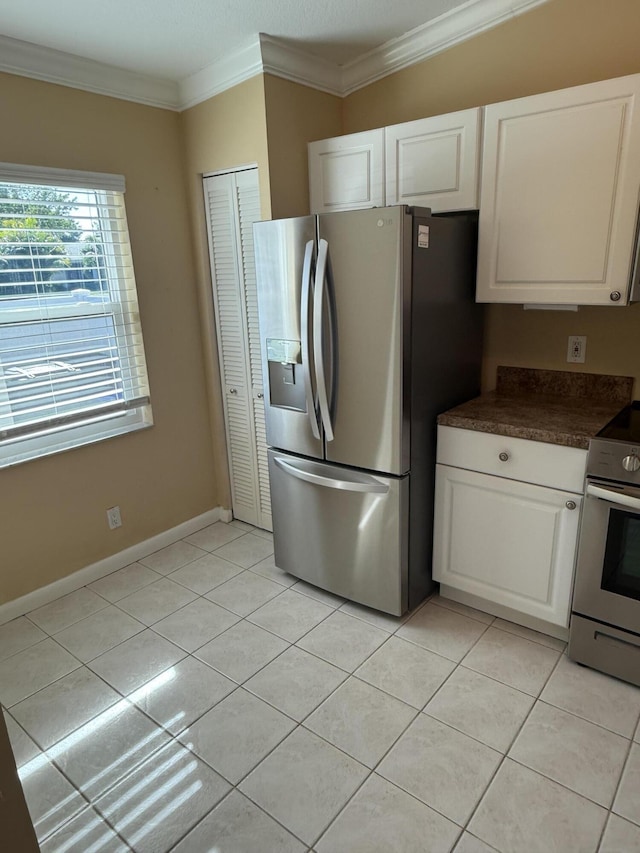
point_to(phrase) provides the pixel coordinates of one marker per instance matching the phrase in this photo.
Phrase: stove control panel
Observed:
(614, 460)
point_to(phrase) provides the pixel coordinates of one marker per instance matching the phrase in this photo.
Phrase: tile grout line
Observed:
(578, 717)
(185, 655)
(192, 654)
(50, 683)
(89, 803)
(49, 635)
(299, 725)
(348, 674)
(616, 791)
(403, 732)
(506, 753)
(173, 738)
(219, 803)
(86, 808)
(372, 771)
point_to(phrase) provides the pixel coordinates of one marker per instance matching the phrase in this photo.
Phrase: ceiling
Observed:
(172, 39)
(212, 42)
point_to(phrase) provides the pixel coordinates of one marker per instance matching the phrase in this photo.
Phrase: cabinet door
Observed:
(347, 172)
(559, 198)
(433, 162)
(505, 541)
(232, 205)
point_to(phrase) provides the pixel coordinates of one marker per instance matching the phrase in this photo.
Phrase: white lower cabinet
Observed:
(505, 541)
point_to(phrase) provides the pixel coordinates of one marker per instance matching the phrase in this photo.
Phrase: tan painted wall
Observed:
(296, 115)
(52, 511)
(561, 43)
(265, 121)
(227, 131)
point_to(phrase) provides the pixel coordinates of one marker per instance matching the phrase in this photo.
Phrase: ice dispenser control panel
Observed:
(286, 388)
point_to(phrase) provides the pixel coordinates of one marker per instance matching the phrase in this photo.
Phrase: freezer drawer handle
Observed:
(609, 495)
(304, 328)
(318, 337)
(373, 486)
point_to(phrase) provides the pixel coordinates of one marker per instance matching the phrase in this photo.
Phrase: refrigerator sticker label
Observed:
(423, 236)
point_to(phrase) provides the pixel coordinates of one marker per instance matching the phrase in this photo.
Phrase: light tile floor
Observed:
(202, 700)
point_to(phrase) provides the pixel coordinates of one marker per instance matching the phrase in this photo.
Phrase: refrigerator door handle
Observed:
(304, 329)
(360, 483)
(318, 338)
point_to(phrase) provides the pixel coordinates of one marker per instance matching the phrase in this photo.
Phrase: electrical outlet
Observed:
(113, 517)
(577, 349)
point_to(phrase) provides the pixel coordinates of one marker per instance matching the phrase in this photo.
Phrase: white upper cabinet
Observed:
(433, 162)
(559, 198)
(347, 172)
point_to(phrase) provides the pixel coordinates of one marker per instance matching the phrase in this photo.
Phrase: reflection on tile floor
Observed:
(202, 700)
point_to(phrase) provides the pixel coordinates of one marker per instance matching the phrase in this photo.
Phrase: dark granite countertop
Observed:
(554, 406)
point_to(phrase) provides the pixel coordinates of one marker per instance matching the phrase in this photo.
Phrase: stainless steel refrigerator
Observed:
(369, 330)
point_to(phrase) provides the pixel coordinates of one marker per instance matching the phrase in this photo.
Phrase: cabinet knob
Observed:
(570, 504)
(503, 457)
(260, 396)
(615, 295)
(233, 390)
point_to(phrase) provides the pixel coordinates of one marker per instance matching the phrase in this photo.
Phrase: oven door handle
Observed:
(613, 497)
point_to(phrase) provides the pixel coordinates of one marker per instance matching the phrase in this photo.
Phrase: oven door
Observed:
(607, 584)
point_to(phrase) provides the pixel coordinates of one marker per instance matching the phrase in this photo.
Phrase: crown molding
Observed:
(223, 74)
(282, 60)
(264, 54)
(65, 69)
(471, 19)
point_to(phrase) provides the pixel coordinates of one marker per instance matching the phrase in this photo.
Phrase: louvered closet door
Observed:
(232, 206)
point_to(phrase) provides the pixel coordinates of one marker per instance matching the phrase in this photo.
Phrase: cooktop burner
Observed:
(625, 426)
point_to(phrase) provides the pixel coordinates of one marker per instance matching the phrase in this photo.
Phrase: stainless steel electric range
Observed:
(605, 620)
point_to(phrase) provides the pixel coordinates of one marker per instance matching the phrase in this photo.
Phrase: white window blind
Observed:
(72, 365)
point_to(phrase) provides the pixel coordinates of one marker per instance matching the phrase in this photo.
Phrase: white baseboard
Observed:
(49, 593)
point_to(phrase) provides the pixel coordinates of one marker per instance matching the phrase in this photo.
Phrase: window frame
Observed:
(133, 412)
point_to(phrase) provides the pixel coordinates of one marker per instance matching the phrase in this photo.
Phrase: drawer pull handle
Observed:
(570, 504)
(503, 457)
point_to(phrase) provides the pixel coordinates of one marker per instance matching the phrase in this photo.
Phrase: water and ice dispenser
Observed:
(286, 385)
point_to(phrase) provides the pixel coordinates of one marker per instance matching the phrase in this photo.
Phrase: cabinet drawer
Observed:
(536, 462)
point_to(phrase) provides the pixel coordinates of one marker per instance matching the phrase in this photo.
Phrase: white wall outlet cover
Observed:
(576, 349)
